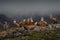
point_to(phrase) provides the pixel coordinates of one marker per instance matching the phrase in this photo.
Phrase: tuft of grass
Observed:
(39, 35)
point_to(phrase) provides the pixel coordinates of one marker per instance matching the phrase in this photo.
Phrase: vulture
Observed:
(5, 26)
(27, 23)
(42, 22)
(15, 23)
(53, 19)
(22, 22)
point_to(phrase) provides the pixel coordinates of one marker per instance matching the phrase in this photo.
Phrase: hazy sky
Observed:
(16, 8)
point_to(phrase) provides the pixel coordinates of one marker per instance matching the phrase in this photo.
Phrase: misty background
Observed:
(20, 9)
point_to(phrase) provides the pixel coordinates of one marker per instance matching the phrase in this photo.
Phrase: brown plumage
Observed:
(53, 20)
(30, 25)
(27, 23)
(15, 23)
(42, 22)
(5, 26)
(22, 22)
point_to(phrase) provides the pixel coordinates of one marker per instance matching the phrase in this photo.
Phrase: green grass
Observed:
(40, 35)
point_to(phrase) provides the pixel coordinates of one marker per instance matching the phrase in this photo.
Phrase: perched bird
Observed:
(42, 22)
(22, 22)
(5, 26)
(29, 21)
(30, 25)
(15, 23)
(53, 19)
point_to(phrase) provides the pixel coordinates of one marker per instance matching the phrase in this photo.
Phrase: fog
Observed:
(19, 8)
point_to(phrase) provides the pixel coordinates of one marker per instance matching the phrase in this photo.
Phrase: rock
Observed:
(37, 28)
